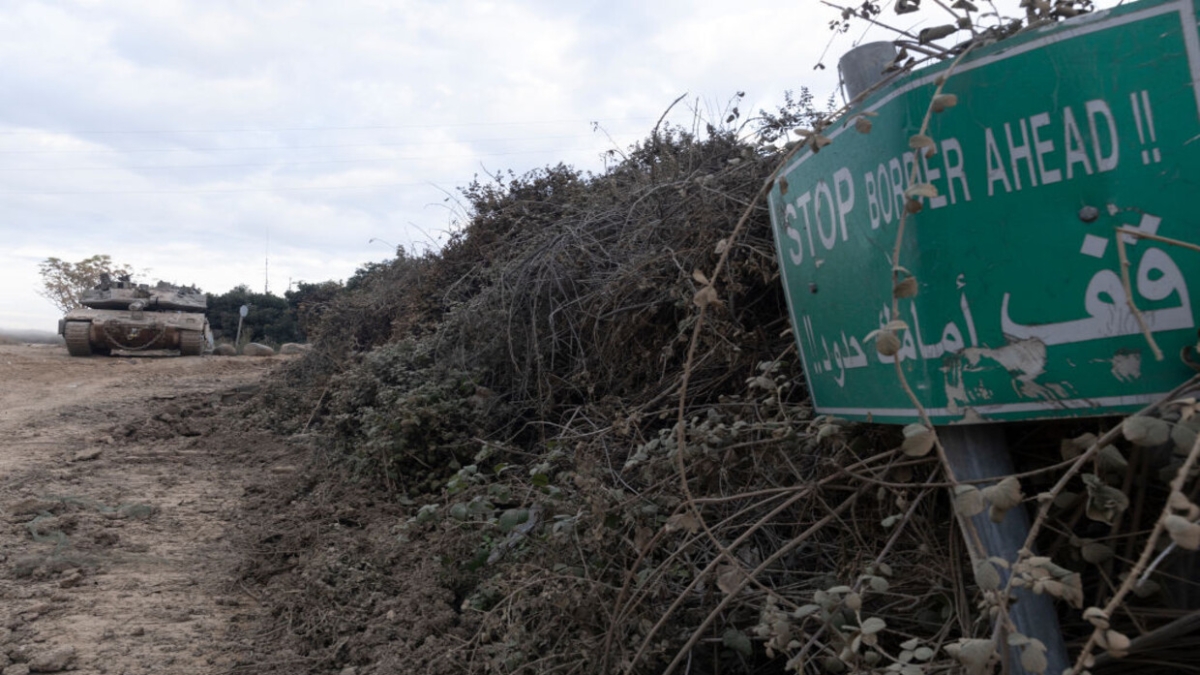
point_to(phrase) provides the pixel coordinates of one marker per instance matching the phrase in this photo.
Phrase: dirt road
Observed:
(120, 482)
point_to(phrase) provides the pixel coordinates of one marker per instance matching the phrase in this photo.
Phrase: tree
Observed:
(63, 283)
(271, 318)
(309, 302)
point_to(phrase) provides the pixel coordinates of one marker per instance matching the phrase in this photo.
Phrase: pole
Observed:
(242, 312)
(977, 451)
(862, 67)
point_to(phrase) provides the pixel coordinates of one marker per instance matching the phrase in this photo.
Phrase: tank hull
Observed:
(100, 331)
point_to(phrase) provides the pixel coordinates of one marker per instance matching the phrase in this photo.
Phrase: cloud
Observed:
(196, 139)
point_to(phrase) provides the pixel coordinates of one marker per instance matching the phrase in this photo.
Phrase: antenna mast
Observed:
(267, 264)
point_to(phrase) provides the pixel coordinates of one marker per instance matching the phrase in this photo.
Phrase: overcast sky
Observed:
(224, 142)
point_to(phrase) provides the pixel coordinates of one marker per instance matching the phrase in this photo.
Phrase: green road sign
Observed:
(1060, 136)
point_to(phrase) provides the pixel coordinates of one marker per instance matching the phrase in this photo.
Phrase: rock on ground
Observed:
(87, 454)
(257, 349)
(294, 348)
(53, 661)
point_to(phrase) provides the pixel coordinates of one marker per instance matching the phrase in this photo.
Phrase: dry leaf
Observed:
(936, 33)
(1179, 501)
(1146, 588)
(699, 277)
(918, 440)
(906, 288)
(943, 101)
(1004, 495)
(806, 610)
(1072, 589)
(1146, 431)
(862, 125)
(641, 536)
(1183, 532)
(738, 642)
(926, 190)
(974, 655)
(1033, 656)
(1066, 500)
(1115, 642)
(1095, 552)
(1072, 448)
(872, 625)
(706, 296)
(1110, 460)
(1104, 503)
(987, 576)
(996, 514)
(1096, 617)
(683, 521)
(887, 343)
(1184, 437)
(968, 501)
(853, 602)
(728, 578)
(920, 141)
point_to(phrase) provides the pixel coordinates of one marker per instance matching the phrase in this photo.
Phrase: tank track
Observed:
(77, 337)
(191, 343)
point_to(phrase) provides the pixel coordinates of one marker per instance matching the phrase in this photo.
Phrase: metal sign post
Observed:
(242, 312)
(978, 451)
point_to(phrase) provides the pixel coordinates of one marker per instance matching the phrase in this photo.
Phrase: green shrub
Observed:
(407, 417)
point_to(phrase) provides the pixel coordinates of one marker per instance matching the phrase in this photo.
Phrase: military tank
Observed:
(136, 317)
